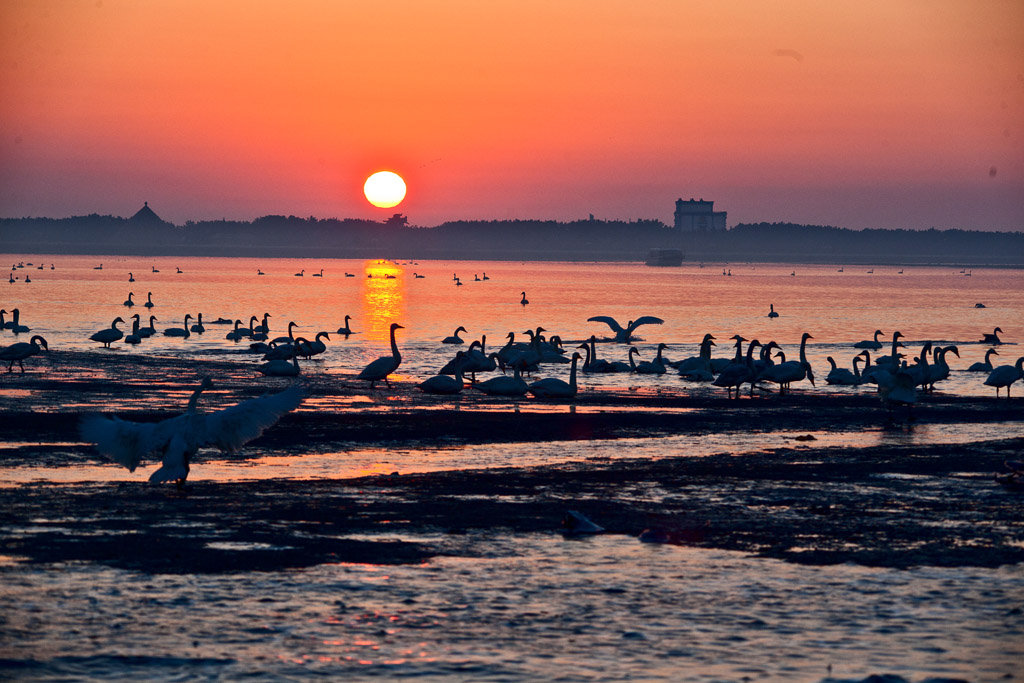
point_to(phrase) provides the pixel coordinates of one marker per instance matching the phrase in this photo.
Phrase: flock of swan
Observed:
(897, 379)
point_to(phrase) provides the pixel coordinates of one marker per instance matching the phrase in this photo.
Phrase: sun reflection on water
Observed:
(383, 298)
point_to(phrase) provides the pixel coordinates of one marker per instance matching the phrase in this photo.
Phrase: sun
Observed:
(384, 189)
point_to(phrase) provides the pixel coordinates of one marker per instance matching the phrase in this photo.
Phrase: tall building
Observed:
(697, 215)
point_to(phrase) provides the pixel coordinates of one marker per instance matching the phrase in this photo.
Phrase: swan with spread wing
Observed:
(625, 335)
(178, 438)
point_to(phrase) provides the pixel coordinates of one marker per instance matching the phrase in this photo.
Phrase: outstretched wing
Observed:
(124, 442)
(233, 427)
(608, 320)
(645, 320)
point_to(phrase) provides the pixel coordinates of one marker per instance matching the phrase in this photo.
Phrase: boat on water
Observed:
(664, 257)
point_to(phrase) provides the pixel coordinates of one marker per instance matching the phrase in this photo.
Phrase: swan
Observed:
(702, 361)
(624, 336)
(602, 365)
(346, 330)
(19, 351)
(524, 300)
(735, 374)
(180, 437)
(320, 274)
(654, 367)
(785, 373)
(300, 273)
(504, 385)
(485, 277)
(897, 388)
(237, 333)
(552, 387)
(109, 335)
(198, 327)
(442, 383)
(771, 311)
(892, 361)
(251, 333)
(1005, 375)
(290, 339)
(155, 270)
(458, 282)
(134, 337)
(129, 303)
(992, 338)
(14, 324)
(99, 267)
(260, 272)
(385, 365)
(264, 327)
(148, 331)
(131, 278)
(872, 344)
(842, 376)
(418, 276)
(350, 274)
(308, 349)
(180, 271)
(455, 338)
(940, 368)
(476, 278)
(987, 365)
(280, 368)
(149, 300)
(182, 331)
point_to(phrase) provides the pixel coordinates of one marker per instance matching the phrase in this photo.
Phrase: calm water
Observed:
(69, 303)
(531, 607)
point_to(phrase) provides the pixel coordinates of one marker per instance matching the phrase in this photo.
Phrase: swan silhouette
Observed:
(109, 335)
(17, 352)
(346, 330)
(385, 365)
(1005, 375)
(872, 344)
(524, 300)
(992, 338)
(281, 368)
(129, 303)
(552, 387)
(444, 384)
(177, 439)
(182, 331)
(625, 335)
(149, 300)
(455, 338)
(771, 311)
(987, 365)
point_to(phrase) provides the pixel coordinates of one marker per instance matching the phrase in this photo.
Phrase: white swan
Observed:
(280, 368)
(897, 388)
(308, 349)
(505, 385)
(992, 338)
(149, 300)
(872, 344)
(625, 335)
(987, 365)
(134, 337)
(182, 331)
(109, 335)
(771, 311)
(444, 384)
(455, 338)
(788, 372)
(552, 387)
(19, 351)
(148, 331)
(385, 365)
(1005, 375)
(653, 367)
(346, 330)
(178, 438)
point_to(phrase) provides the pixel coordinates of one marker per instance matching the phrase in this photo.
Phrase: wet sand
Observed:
(886, 505)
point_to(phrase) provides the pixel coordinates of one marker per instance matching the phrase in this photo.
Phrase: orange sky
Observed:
(869, 114)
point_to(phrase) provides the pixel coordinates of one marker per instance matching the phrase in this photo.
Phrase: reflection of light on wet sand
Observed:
(383, 298)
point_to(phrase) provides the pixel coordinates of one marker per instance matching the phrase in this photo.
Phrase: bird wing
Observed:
(231, 428)
(608, 320)
(123, 442)
(645, 320)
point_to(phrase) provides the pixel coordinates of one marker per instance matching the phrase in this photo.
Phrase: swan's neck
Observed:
(856, 369)
(394, 346)
(572, 372)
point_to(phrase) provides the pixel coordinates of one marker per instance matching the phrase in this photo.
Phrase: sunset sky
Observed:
(889, 113)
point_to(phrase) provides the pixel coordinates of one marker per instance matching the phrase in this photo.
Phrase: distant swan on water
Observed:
(345, 330)
(455, 338)
(177, 439)
(524, 300)
(182, 331)
(771, 311)
(129, 303)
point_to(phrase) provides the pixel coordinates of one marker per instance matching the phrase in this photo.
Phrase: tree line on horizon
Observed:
(584, 239)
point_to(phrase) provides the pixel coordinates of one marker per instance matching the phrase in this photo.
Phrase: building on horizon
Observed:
(697, 215)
